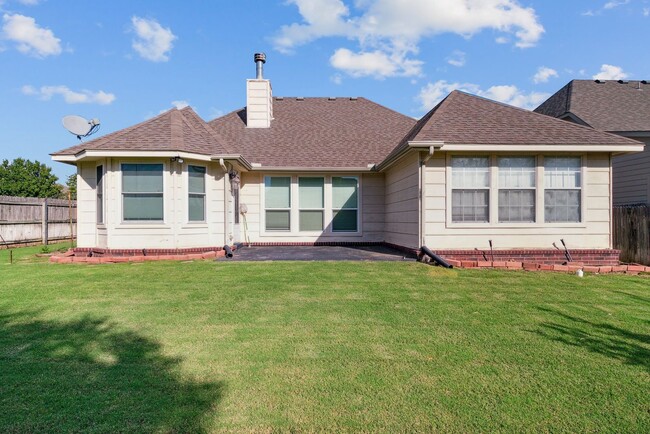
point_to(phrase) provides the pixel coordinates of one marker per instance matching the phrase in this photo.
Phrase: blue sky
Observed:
(125, 61)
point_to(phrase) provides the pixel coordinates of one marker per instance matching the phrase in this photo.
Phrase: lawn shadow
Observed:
(602, 338)
(634, 297)
(89, 375)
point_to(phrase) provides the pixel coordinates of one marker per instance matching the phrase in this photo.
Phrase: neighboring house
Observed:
(621, 107)
(347, 170)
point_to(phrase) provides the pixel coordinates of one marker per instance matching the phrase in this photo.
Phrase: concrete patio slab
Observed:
(318, 253)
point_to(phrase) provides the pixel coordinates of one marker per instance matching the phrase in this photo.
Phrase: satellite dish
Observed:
(80, 127)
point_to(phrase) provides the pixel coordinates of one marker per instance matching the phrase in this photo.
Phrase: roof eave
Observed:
(412, 144)
(92, 154)
(576, 147)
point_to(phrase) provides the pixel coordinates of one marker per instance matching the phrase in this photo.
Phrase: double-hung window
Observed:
(100, 193)
(562, 189)
(196, 193)
(470, 195)
(345, 203)
(142, 192)
(311, 198)
(277, 203)
(517, 189)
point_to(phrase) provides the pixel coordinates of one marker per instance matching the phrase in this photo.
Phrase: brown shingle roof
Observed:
(317, 132)
(174, 130)
(462, 118)
(605, 106)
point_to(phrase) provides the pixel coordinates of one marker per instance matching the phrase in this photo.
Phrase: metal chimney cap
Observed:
(260, 57)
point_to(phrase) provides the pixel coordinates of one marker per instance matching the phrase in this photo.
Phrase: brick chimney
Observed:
(259, 97)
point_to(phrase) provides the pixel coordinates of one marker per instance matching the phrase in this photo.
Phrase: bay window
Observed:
(470, 195)
(562, 189)
(99, 187)
(196, 193)
(517, 189)
(142, 192)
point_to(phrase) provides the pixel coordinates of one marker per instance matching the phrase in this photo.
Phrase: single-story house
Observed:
(349, 171)
(617, 106)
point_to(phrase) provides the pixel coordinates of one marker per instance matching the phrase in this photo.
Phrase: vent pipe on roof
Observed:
(260, 60)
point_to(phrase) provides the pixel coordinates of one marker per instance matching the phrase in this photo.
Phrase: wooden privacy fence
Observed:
(631, 228)
(25, 220)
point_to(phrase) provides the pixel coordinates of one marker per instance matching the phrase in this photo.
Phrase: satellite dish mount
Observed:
(79, 126)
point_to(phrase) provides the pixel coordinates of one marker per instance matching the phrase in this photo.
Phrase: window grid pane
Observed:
(196, 179)
(142, 192)
(470, 206)
(516, 206)
(277, 192)
(562, 195)
(277, 200)
(311, 220)
(344, 220)
(345, 203)
(100, 194)
(311, 193)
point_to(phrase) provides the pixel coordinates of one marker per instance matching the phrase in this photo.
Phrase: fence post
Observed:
(44, 219)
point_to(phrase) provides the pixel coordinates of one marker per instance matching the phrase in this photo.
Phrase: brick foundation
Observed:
(592, 257)
(97, 252)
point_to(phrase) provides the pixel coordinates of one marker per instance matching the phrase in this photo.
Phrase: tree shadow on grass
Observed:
(88, 375)
(602, 338)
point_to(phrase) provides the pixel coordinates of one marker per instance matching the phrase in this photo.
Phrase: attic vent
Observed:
(331, 98)
(279, 98)
(599, 81)
(623, 82)
(300, 98)
(353, 98)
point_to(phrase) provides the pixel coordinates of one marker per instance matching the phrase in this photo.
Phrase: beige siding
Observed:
(86, 210)
(175, 232)
(402, 202)
(632, 177)
(371, 207)
(593, 232)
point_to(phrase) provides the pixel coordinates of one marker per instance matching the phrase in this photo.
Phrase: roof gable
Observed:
(173, 130)
(604, 105)
(462, 118)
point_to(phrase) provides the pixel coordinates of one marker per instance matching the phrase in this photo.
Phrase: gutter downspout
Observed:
(225, 200)
(423, 211)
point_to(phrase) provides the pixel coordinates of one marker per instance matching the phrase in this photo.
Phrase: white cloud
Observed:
(29, 2)
(388, 31)
(457, 58)
(180, 104)
(433, 93)
(543, 74)
(153, 41)
(502, 40)
(376, 64)
(615, 3)
(646, 12)
(336, 79)
(29, 37)
(610, 72)
(46, 93)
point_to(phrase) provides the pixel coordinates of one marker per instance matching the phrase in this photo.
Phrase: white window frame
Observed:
(204, 194)
(540, 221)
(489, 188)
(581, 189)
(289, 209)
(300, 208)
(100, 197)
(143, 223)
(294, 231)
(357, 209)
(534, 188)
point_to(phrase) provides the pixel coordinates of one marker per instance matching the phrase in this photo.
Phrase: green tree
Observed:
(25, 178)
(71, 183)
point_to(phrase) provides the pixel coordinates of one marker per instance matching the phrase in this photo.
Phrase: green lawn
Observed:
(392, 347)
